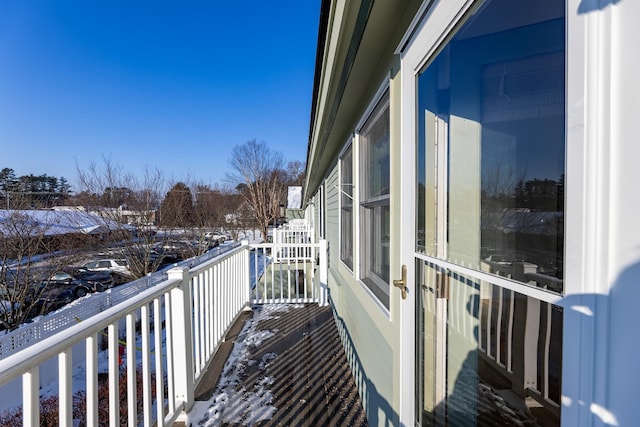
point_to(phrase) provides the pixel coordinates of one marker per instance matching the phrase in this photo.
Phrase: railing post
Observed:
(323, 267)
(246, 279)
(182, 338)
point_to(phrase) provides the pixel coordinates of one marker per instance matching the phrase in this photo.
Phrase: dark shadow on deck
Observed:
(313, 384)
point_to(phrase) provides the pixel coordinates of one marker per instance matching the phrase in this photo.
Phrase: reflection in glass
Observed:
(379, 231)
(498, 353)
(375, 143)
(494, 97)
(374, 201)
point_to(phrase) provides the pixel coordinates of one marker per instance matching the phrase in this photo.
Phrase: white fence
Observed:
(289, 272)
(45, 326)
(152, 348)
(293, 234)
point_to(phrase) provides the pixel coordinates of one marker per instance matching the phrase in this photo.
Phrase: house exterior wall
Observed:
(370, 332)
(365, 330)
(601, 255)
(603, 235)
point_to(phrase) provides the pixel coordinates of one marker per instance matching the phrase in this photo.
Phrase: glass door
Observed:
(431, 316)
(489, 196)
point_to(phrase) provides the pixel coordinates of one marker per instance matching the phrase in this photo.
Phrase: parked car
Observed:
(78, 287)
(216, 236)
(105, 278)
(176, 250)
(51, 299)
(108, 264)
(37, 301)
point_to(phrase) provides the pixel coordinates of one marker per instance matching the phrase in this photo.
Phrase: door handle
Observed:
(402, 283)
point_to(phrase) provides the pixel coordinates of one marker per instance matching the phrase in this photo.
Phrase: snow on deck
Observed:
(287, 367)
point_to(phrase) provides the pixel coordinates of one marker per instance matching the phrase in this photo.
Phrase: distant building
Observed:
(294, 197)
(294, 204)
(127, 216)
(53, 222)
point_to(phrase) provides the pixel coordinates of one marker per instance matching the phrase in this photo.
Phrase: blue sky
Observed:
(166, 84)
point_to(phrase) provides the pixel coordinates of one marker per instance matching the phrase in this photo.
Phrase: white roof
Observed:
(52, 223)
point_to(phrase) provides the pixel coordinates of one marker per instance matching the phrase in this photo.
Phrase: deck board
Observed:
(310, 381)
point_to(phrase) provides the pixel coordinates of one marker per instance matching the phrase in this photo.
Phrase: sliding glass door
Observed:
(489, 196)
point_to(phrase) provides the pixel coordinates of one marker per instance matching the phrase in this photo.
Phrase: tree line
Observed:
(251, 194)
(138, 214)
(31, 191)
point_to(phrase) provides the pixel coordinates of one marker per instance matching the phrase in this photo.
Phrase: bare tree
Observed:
(128, 204)
(218, 208)
(243, 220)
(213, 205)
(295, 173)
(258, 174)
(33, 246)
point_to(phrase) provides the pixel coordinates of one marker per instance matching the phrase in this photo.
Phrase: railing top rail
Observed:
(51, 324)
(302, 227)
(19, 362)
(285, 245)
(228, 254)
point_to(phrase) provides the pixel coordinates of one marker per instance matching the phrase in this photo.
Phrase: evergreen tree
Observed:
(8, 180)
(177, 207)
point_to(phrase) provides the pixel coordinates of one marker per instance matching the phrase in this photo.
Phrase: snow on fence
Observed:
(122, 356)
(90, 305)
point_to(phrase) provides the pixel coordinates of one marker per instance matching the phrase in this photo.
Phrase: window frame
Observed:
(372, 207)
(322, 213)
(345, 191)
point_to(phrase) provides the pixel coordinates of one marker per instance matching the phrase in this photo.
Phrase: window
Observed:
(321, 212)
(374, 201)
(494, 97)
(490, 175)
(346, 208)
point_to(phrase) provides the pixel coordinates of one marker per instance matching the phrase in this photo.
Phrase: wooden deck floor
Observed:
(294, 364)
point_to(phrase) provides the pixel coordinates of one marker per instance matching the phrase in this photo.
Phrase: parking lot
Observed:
(49, 282)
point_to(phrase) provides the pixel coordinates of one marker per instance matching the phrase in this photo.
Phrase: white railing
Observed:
(289, 272)
(524, 272)
(293, 233)
(123, 356)
(45, 326)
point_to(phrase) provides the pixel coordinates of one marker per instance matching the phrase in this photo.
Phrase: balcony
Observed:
(103, 361)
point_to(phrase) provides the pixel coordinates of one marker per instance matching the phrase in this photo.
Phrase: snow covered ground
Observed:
(256, 404)
(249, 406)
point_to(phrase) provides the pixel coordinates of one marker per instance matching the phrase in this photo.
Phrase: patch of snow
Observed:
(264, 362)
(230, 404)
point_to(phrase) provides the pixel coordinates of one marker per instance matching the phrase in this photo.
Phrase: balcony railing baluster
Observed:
(190, 309)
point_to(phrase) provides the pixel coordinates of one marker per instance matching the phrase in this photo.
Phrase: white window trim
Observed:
(583, 56)
(322, 232)
(356, 211)
(348, 145)
(383, 90)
